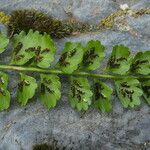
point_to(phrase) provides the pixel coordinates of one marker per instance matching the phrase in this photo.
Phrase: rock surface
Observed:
(125, 129)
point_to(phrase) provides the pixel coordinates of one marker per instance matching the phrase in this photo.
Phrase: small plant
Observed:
(34, 52)
(36, 20)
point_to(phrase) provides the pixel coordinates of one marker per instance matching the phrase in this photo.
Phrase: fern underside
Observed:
(35, 52)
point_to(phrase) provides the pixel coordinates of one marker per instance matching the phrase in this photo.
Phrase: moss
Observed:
(45, 147)
(4, 19)
(33, 19)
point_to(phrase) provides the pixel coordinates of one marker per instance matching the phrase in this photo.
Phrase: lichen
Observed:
(109, 21)
(4, 19)
(141, 12)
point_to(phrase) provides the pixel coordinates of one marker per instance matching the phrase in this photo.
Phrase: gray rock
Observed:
(122, 129)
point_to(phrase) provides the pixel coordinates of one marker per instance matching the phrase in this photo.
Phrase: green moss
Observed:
(45, 147)
(35, 20)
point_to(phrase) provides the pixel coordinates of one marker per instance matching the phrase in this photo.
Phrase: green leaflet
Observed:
(71, 57)
(102, 95)
(33, 49)
(146, 90)
(141, 63)
(26, 89)
(46, 54)
(120, 60)
(128, 92)
(50, 90)
(4, 93)
(21, 42)
(93, 54)
(3, 42)
(80, 94)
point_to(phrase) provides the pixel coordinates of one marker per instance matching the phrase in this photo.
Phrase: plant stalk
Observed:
(77, 73)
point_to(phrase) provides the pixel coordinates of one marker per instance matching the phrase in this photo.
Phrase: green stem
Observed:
(53, 71)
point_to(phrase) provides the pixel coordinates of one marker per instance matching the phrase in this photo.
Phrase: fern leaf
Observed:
(120, 60)
(80, 93)
(3, 42)
(129, 92)
(50, 90)
(146, 90)
(71, 57)
(141, 63)
(102, 95)
(4, 93)
(28, 50)
(93, 54)
(26, 89)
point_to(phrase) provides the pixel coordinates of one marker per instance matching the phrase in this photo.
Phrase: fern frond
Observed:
(34, 52)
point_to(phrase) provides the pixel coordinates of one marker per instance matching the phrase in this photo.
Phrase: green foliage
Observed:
(93, 54)
(146, 90)
(50, 90)
(120, 60)
(26, 89)
(35, 52)
(80, 93)
(28, 50)
(102, 95)
(3, 42)
(24, 20)
(141, 63)
(129, 92)
(71, 57)
(4, 93)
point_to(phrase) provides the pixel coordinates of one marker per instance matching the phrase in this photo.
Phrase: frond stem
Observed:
(77, 73)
